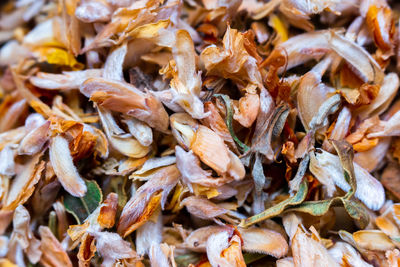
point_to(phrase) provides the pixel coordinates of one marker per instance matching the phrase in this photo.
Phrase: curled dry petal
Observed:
(162, 255)
(189, 167)
(224, 252)
(247, 109)
(186, 83)
(64, 168)
(24, 183)
(384, 98)
(147, 199)
(93, 11)
(123, 97)
(34, 140)
(362, 62)
(112, 247)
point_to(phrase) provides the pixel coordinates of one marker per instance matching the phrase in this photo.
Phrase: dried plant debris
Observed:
(199, 133)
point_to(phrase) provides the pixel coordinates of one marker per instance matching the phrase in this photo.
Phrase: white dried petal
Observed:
(64, 168)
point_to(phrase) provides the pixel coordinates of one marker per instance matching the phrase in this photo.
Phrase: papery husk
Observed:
(125, 144)
(23, 235)
(162, 255)
(186, 82)
(93, 11)
(189, 167)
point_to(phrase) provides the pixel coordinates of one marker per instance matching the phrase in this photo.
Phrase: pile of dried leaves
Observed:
(199, 133)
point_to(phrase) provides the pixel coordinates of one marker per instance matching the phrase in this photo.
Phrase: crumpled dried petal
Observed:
(124, 98)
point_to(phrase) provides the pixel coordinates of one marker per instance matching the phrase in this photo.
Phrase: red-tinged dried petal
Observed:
(108, 211)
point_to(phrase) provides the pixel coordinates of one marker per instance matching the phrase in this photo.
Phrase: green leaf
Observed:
(356, 211)
(252, 257)
(80, 208)
(279, 208)
(229, 117)
(315, 208)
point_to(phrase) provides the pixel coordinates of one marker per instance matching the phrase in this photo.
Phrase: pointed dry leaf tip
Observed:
(278, 208)
(259, 240)
(64, 168)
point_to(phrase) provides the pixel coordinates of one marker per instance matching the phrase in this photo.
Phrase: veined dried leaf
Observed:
(373, 239)
(279, 208)
(83, 206)
(62, 163)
